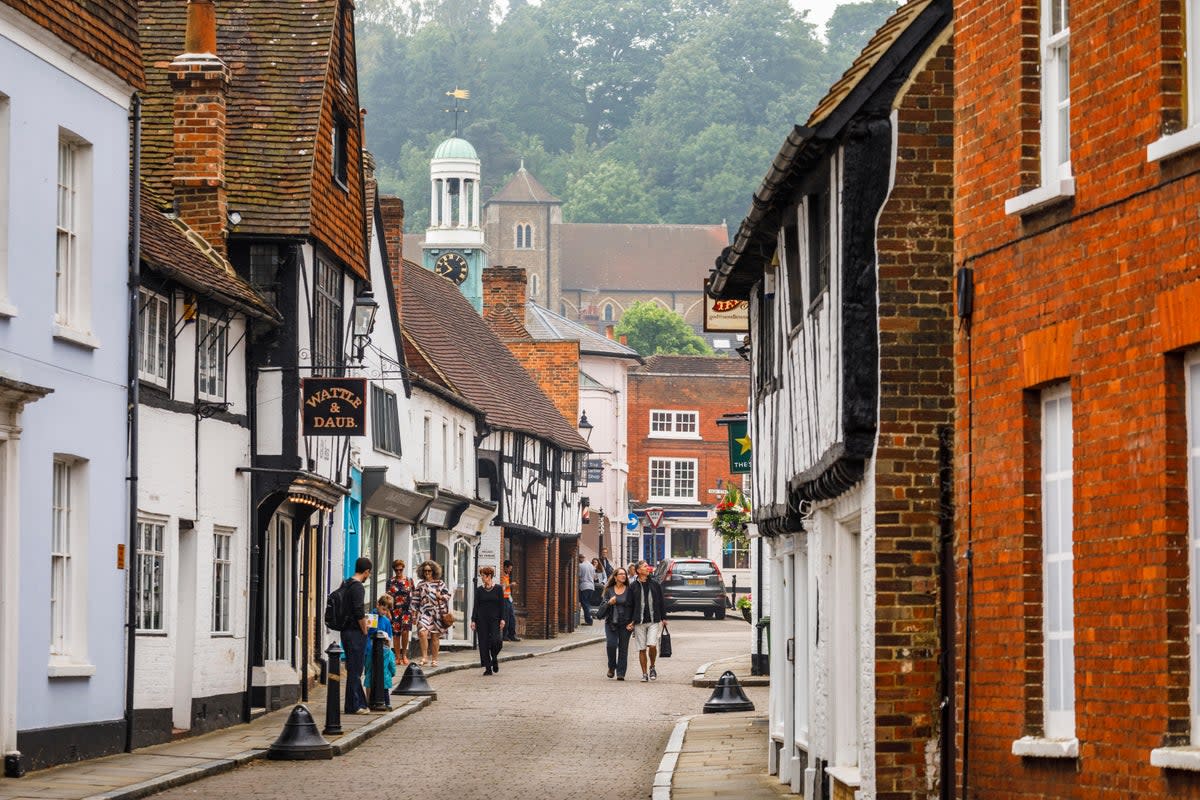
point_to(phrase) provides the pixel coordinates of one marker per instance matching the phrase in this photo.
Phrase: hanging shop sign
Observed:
(334, 406)
(740, 448)
(725, 316)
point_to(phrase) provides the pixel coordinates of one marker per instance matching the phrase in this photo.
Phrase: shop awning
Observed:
(309, 489)
(446, 509)
(389, 500)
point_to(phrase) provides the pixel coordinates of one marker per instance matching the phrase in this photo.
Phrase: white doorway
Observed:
(185, 637)
(280, 617)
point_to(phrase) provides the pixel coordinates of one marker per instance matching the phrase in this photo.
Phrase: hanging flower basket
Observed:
(733, 513)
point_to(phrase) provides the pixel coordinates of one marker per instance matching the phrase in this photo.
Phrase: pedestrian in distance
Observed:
(352, 596)
(587, 585)
(431, 602)
(383, 622)
(649, 619)
(598, 584)
(608, 567)
(616, 609)
(487, 620)
(400, 589)
(510, 612)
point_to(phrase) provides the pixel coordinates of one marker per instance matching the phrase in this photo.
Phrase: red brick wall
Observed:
(103, 30)
(391, 209)
(504, 287)
(916, 402)
(198, 133)
(534, 581)
(1108, 262)
(712, 397)
(554, 366)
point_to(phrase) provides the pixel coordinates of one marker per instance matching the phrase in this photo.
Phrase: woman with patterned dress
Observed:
(430, 601)
(400, 588)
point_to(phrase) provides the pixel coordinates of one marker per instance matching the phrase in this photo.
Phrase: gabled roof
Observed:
(175, 251)
(695, 366)
(454, 341)
(523, 188)
(542, 323)
(638, 257)
(912, 28)
(504, 323)
(105, 31)
(278, 53)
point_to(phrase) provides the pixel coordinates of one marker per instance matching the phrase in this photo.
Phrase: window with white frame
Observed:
(211, 337)
(460, 454)
(154, 324)
(847, 624)
(60, 558)
(668, 424)
(735, 554)
(427, 448)
(327, 318)
(1058, 684)
(1192, 372)
(152, 558)
(673, 479)
(72, 228)
(6, 310)
(445, 453)
(385, 420)
(222, 580)
(1056, 91)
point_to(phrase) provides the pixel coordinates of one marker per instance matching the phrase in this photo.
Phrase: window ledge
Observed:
(1176, 758)
(1044, 196)
(847, 776)
(1174, 144)
(61, 668)
(75, 336)
(695, 437)
(1040, 747)
(7, 309)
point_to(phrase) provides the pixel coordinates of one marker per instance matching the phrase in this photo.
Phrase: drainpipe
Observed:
(132, 393)
(965, 296)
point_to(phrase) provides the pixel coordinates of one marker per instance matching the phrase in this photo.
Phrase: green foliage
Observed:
(651, 329)
(628, 110)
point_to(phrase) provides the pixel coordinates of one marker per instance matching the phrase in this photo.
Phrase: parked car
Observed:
(692, 584)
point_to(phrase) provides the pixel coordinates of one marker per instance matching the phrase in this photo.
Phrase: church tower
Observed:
(522, 224)
(454, 246)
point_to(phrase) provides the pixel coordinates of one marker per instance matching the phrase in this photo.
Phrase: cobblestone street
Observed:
(550, 727)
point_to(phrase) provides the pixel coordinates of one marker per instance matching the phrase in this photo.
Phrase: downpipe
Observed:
(133, 397)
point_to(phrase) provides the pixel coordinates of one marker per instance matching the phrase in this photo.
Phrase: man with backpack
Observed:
(346, 604)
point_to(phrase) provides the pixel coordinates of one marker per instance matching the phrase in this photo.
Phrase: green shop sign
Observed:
(740, 449)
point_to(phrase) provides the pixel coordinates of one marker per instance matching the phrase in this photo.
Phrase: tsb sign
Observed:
(334, 406)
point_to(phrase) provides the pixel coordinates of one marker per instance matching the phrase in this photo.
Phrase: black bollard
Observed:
(413, 683)
(333, 695)
(728, 696)
(299, 740)
(379, 686)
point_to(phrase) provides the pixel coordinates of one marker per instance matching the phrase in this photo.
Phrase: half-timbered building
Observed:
(845, 259)
(529, 455)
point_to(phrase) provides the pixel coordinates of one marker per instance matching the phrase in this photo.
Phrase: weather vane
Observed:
(457, 94)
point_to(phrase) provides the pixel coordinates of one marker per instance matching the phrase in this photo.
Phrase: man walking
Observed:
(649, 619)
(587, 582)
(608, 567)
(510, 613)
(354, 635)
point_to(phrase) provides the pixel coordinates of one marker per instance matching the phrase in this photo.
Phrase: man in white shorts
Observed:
(649, 618)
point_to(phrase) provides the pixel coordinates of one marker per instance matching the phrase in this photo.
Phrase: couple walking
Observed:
(634, 610)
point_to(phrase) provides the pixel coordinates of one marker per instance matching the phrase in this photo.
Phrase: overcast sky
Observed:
(819, 11)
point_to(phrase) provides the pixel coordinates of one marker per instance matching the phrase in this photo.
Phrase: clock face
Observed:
(451, 266)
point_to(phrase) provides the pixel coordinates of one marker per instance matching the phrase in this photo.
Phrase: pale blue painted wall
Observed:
(85, 416)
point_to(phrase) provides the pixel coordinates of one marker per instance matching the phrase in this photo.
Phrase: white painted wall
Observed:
(85, 416)
(607, 411)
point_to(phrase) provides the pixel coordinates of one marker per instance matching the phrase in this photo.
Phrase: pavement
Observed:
(709, 673)
(718, 756)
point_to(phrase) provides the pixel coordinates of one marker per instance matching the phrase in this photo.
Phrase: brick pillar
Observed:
(552, 602)
(504, 287)
(200, 81)
(392, 211)
(536, 583)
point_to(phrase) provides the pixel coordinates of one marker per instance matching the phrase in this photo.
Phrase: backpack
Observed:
(337, 613)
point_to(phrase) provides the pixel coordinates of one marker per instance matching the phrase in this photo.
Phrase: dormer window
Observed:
(524, 236)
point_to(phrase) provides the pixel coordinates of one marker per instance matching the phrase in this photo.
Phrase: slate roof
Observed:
(441, 325)
(542, 323)
(651, 258)
(278, 53)
(523, 188)
(711, 366)
(173, 250)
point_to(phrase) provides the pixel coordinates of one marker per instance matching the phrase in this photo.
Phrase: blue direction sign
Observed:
(632, 524)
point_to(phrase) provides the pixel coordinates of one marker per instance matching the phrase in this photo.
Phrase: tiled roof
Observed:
(172, 249)
(713, 366)
(638, 257)
(542, 323)
(454, 340)
(523, 188)
(278, 53)
(103, 30)
(504, 323)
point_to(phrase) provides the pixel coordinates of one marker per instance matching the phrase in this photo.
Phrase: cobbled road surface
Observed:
(550, 727)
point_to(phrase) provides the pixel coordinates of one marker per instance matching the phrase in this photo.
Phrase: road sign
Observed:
(632, 522)
(654, 516)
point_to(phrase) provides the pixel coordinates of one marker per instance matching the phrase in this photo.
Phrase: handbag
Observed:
(604, 610)
(664, 644)
(448, 619)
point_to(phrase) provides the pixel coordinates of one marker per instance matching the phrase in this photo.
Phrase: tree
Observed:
(611, 192)
(651, 329)
(851, 26)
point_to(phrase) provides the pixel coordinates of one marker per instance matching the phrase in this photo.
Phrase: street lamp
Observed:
(365, 309)
(585, 427)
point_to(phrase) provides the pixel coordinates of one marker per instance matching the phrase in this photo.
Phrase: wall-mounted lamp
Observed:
(235, 218)
(365, 309)
(585, 427)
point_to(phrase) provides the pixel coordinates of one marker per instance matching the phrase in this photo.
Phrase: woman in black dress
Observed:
(487, 620)
(616, 609)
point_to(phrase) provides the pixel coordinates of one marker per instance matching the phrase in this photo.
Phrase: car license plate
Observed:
(695, 582)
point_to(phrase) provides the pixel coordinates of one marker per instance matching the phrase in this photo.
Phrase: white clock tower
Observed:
(453, 246)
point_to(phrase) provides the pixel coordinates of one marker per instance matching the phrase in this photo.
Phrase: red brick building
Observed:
(1076, 181)
(679, 456)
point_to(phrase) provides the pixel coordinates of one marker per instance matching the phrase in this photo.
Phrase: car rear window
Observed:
(694, 568)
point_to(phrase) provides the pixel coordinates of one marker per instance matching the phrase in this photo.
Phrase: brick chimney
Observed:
(370, 185)
(200, 81)
(392, 211)
(504, 286)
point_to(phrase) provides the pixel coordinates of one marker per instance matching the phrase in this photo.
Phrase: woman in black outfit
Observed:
(487, 620)
(616, 609)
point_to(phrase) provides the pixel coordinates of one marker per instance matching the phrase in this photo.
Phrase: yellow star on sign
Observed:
(745, 443)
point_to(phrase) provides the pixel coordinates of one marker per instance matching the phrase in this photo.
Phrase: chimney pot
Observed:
(201, 33)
